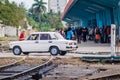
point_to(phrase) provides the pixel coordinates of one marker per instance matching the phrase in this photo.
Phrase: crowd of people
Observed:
(96, 34)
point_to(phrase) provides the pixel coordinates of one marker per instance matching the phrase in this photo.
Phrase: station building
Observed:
(90, 13)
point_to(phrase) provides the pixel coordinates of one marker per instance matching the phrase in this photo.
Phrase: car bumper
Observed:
(70, 48)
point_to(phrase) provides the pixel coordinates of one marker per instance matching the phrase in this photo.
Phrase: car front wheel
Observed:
(54, 50)
(17, 50)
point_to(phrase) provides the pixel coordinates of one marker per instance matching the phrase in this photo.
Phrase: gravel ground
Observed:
(5, 61)
(76, 69)
(30, 61)
(68, 68)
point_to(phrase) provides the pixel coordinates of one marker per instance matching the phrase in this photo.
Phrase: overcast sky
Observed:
(28, 3)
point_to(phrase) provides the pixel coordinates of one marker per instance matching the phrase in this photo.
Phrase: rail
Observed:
(7, 72)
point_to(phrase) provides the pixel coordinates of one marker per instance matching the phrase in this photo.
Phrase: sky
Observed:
(28, 3)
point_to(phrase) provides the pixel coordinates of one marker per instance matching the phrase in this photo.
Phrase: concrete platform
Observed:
(98, 51)
(90, 46)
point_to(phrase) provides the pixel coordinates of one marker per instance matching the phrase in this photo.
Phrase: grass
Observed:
(6, 40)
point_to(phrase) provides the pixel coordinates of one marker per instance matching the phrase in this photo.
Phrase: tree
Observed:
(41, 20)
(54, 20)
(10, 13)
(39, 8)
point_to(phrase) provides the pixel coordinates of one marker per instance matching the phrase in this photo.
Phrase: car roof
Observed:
(43, 32)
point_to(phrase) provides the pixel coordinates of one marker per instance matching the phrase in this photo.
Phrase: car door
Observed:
(30, 45)
(44, 42)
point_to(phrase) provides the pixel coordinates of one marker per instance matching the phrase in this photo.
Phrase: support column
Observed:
(113, 39)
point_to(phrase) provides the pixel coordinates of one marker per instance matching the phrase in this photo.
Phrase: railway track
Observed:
(14, 71)
(108, 73)
(20, 69)
(113, 74)
(11, 64)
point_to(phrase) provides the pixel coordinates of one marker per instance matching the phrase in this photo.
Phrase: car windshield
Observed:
(58, 36)
(33, 37)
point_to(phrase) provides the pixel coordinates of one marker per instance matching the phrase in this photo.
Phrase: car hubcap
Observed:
(54, 51)
(16, 50)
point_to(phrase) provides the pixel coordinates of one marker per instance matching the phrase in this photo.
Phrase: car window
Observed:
(58, 36)
(45, 37)
(33, 37)
(53, 37)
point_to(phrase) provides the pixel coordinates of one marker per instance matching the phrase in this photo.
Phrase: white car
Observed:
(52, 42)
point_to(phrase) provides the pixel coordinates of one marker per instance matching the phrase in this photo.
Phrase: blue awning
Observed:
(83, 9)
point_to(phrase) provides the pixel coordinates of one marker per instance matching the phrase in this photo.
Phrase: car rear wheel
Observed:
(62, 53)
(26, 53)
(54, 50)
(17, 50)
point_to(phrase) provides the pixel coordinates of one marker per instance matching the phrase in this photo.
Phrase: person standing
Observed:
(69, 34)
(62, 32)
(84, 33)
(22, 36)
(107, 34)
(79, 34)
(97, 35)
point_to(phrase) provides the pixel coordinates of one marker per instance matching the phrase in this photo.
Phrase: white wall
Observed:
(8, 30)
(2, 32)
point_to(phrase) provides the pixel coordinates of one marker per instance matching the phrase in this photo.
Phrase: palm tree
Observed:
(39, 8)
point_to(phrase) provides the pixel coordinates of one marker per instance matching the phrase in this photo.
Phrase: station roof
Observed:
(83, 9)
